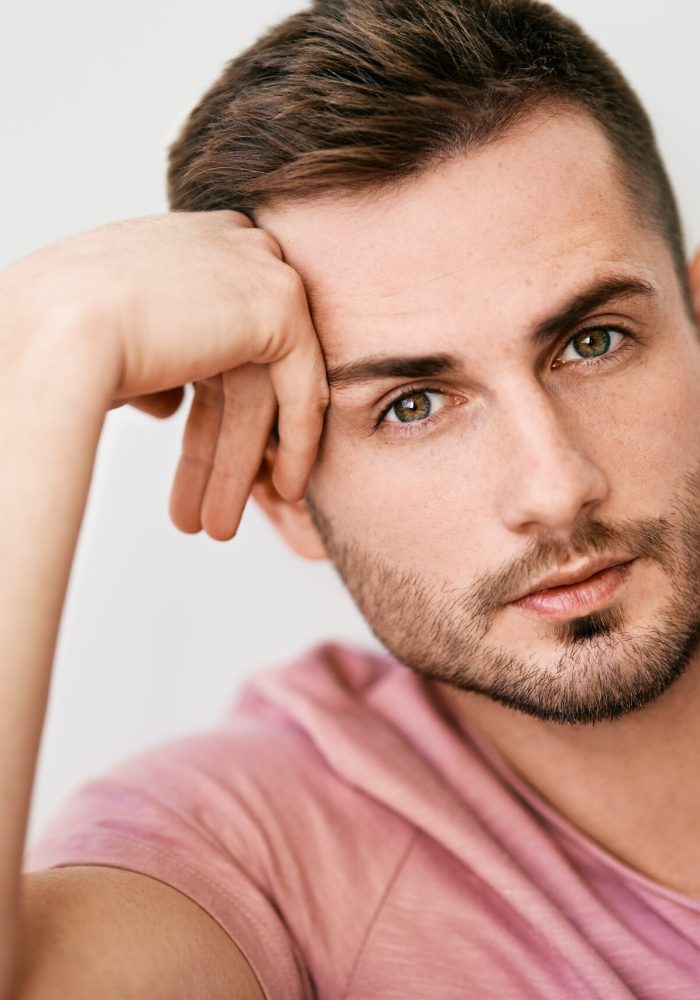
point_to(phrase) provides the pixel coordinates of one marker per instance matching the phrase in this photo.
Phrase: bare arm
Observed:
(131, 311)
(51, 416)
(97, 933)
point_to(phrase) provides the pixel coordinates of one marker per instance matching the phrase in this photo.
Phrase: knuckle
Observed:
(266, 241)
(231, 217)
(320, 404)
(291, 293)
(318, 398)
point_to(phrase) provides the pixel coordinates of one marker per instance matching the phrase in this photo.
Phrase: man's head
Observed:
(515, 372)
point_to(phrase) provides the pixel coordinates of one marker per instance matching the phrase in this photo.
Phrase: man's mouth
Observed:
(579, 596)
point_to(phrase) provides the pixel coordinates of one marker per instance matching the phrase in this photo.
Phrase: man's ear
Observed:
(694, 272)
(291, 518)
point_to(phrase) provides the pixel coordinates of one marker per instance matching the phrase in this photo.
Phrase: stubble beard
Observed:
(606, 666)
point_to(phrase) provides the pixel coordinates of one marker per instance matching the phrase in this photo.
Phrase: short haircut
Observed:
(354, 95)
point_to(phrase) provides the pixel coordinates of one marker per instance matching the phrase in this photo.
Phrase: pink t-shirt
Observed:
(356, 842)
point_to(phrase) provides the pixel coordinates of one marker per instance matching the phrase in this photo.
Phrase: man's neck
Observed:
(630, 785)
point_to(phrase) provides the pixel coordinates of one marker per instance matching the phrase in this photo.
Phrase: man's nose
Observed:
(548, 476)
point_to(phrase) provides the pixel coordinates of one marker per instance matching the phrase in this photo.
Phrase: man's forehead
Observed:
(503, 230)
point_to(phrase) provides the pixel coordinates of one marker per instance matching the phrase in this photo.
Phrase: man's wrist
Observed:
(62, 347)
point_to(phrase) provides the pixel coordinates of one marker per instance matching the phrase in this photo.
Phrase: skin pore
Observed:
(515, 387)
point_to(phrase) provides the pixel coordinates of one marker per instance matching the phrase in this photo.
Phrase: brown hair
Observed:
(351, 95)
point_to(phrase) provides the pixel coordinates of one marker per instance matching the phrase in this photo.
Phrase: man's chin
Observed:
(598, 675)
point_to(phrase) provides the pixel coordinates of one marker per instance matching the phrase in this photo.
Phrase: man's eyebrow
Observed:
(601, 293)
(367, 369)
(376, 367)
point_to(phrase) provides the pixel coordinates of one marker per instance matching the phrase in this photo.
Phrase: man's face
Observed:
(464, 459)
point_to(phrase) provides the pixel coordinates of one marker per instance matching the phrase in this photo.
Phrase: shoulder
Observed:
(258, 820)
(100, 931)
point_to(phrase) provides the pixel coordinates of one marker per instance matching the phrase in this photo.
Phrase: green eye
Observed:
(592, 343)
(589, 345)
(412, 407)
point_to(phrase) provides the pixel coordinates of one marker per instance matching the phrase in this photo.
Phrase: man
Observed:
(470, 200)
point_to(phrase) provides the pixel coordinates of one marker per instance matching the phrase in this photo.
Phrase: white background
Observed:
(160, 628)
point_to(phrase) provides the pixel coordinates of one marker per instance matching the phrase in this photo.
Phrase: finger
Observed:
(299, 380)
(197, 458)
(159, 404)
(248, 415)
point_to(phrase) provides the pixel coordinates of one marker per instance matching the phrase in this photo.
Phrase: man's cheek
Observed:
(408, 506)
(656, 435)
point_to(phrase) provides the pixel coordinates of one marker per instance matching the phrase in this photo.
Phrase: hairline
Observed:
(642, 201)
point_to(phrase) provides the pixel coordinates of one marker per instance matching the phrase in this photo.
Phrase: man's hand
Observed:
(200, 297)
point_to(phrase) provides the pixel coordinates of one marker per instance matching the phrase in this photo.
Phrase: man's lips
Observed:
(584, 594)
(574, 574)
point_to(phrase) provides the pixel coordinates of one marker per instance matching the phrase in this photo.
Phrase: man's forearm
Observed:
(54, 392)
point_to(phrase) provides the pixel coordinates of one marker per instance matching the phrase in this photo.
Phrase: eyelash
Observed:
(595, 363)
